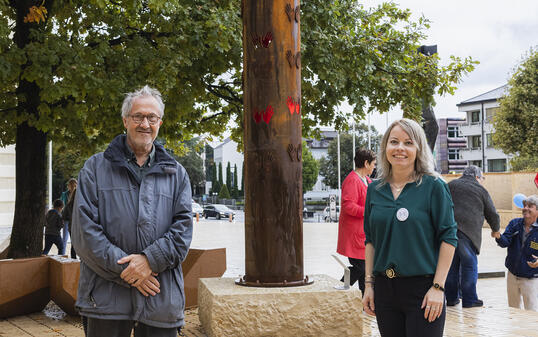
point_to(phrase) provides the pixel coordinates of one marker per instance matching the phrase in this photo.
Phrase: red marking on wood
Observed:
(268, 114)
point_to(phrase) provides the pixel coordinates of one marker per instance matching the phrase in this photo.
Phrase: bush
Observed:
(224, 193)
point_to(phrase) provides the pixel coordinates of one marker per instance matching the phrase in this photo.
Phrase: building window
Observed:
(475, 116)
(475, 142)
(476, 163)
(497, 165)
(489, 140)
(490, 112)
(452, 131)
(453, 154)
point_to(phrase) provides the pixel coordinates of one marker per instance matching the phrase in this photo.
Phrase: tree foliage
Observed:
(87, 54)
(224, 192)
(310, 169)
(235, 190)
(527, 163)
(193, 163)
(65, 66)
(329, 165)
(229, 174)
(516, 121)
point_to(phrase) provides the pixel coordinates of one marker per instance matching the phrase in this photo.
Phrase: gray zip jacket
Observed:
(115, 214)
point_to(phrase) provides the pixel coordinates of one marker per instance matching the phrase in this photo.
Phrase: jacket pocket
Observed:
(168, 305)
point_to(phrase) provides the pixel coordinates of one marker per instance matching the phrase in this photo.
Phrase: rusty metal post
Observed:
(272, 143)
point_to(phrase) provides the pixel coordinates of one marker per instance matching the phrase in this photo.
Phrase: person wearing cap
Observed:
(521, 238)
(472, 203)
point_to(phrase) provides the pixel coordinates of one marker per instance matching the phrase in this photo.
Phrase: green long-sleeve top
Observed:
(410, 247)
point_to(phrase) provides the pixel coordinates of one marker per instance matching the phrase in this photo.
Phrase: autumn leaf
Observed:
(36, 14)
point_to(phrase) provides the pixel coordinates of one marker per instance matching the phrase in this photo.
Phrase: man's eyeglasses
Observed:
(139, 118)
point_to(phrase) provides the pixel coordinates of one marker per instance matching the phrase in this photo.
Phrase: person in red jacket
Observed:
(351, 223)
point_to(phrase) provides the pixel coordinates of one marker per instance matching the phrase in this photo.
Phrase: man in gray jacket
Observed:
(132, 227)
(472, 203)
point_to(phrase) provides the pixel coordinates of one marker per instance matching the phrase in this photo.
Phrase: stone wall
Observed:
(502, 187)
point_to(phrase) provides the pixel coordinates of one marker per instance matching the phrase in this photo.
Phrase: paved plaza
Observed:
(494, 319)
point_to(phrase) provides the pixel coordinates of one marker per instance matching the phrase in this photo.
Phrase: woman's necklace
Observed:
(398, 188)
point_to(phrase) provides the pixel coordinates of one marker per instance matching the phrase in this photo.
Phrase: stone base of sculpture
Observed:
(227, 309)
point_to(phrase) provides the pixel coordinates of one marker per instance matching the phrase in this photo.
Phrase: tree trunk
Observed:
(272, 143)
(31, 183)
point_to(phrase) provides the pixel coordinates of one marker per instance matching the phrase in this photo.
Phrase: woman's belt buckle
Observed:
(390, 273)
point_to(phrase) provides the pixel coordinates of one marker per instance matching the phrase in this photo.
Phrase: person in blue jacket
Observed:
(132, 228)
(521, 238)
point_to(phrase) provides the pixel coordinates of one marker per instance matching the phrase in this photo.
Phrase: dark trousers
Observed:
(357, 273)
(51, 239)
(94, 327)
(463, 274)
(397, 307)
(73, 253)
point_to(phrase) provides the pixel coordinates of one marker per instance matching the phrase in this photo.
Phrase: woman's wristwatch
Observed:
(438, 286)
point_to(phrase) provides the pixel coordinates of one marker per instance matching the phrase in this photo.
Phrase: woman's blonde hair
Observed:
(424, 164)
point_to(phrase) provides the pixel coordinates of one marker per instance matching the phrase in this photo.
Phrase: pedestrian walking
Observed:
(71, 185)
(68, 211)
(53, 226)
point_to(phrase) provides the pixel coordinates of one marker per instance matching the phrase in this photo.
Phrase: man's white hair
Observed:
(531, 199)
(145, 91)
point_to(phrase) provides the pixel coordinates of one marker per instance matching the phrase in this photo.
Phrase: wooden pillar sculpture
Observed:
(272, 143)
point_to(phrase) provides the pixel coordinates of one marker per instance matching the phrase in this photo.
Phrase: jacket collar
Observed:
(118, 153)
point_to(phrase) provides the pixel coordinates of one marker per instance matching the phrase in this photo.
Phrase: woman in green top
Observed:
(410, 236)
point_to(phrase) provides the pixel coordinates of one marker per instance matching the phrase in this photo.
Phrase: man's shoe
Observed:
(453, 303)
(477, 303)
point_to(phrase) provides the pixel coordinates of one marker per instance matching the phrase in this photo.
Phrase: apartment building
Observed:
(448, 146)
(478, 130)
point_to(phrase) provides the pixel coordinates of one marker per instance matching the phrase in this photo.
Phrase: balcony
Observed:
(471, 154)
(470, 129)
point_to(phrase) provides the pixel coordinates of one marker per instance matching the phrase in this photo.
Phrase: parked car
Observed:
(218, 211)
(327, 214)
(197, 209)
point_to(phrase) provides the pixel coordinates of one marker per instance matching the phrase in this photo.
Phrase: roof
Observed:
(227, 140)
(491, 95)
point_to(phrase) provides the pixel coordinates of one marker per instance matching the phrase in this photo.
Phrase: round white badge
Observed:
(402, 214)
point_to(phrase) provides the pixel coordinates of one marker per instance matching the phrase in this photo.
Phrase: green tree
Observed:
(310, 169)
(235, 191)
(329, 164)
(224, 192)
(215, 186)
(525, 163)
(228, 175)
(64, 71)
(193, 164)
(219, 174)
(516, 121)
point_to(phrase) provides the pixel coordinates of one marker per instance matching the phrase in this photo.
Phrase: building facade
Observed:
(7, 185)
(448, 146)
(478, 130)
(319, 149)
(224, 153)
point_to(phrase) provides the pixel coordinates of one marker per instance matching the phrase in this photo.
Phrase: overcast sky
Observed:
(496, 33)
